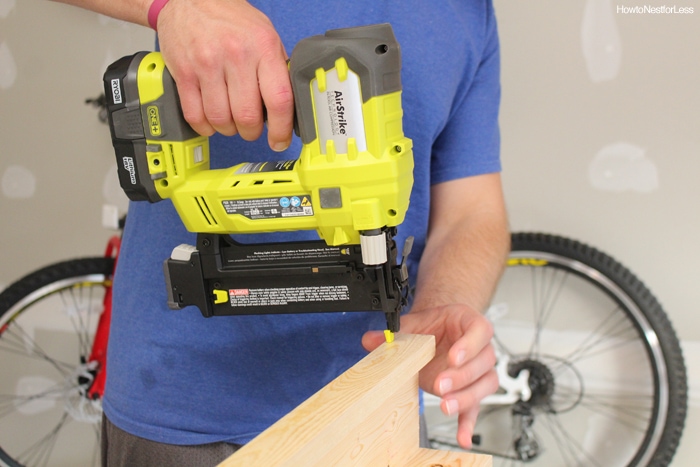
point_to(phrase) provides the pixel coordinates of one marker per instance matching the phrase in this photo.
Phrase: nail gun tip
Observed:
(389, 336)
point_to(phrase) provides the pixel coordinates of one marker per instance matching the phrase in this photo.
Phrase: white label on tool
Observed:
(129, 167)
(339, 112)
(116, 92)
(270, 208)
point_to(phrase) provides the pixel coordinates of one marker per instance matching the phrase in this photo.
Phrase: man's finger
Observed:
(477, 334)
(461, 401)
(216, 103)
(192, 107)
(246, 105)
(465, 427)
(455, 379)
(276, 91)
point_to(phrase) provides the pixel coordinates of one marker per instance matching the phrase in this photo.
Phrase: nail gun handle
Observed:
(366, 62)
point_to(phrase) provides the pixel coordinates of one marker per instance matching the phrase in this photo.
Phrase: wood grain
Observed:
(368, 416)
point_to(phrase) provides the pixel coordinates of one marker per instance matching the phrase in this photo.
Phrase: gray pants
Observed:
(121, 449)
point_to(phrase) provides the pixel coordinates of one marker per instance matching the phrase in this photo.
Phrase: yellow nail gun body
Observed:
(351, 183)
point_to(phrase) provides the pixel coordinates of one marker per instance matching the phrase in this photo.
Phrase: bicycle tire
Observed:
(607, 373)
(47, 321)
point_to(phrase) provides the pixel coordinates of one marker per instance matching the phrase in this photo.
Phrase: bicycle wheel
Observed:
(606, 375)
(47, 323)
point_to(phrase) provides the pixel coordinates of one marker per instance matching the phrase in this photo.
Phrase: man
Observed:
(181, 387)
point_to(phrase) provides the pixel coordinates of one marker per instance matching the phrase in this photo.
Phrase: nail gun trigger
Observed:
(407, 247)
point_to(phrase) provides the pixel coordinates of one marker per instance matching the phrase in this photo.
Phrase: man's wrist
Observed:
(154, 11)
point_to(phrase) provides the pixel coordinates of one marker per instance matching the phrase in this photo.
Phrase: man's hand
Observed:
(466, 250)
(228, 61)
(462, 371)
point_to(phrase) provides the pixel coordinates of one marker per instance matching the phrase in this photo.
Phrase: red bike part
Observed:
(98, 354)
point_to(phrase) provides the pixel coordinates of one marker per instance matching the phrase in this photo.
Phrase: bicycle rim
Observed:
(47, 325)
(606, 372)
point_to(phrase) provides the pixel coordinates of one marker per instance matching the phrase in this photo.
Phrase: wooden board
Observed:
(367, 416)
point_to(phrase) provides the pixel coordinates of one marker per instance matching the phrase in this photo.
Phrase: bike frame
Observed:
(98, 355)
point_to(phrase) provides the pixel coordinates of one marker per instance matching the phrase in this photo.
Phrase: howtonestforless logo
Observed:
(654, 10)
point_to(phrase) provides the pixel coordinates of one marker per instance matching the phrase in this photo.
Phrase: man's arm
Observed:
(466, 250)
(467, 246)
(226, 59)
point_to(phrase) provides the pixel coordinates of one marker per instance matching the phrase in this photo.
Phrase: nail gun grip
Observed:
(372, 52)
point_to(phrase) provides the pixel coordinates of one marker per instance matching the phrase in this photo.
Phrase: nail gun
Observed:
(351, 183)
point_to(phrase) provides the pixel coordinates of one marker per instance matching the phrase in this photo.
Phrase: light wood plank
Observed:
(366, 417)
(383, 437)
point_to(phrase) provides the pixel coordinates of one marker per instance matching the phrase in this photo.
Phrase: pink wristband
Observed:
(154, 11)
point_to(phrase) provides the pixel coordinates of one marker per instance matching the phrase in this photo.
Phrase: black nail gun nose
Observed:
(351, 183)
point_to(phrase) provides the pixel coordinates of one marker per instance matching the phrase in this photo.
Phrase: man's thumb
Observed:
(372, 339)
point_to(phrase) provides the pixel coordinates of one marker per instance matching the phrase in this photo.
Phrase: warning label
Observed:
(286, 295)
(270, 208)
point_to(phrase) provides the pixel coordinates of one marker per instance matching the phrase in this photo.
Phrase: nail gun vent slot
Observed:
(206, 212)
(281, 181)
(172, 159)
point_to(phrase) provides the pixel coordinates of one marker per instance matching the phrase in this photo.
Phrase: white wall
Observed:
(601, 142)
(607, 149)
(600, 121)
(56, 159)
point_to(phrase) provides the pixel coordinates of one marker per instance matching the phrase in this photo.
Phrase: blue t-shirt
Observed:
(179, 378)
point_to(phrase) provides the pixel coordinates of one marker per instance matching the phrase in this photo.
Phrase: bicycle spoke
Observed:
(18, 341)
(74, 306)
(502, 347)
(40, 452)
(570, 449)
(632, 411)
(546, 287)
(10, 403)
(566, 397)
(608, 335)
